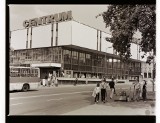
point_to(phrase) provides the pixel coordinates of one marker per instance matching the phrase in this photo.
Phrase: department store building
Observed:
(60, 44)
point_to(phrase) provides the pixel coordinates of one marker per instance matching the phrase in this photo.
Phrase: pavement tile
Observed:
(105, 109)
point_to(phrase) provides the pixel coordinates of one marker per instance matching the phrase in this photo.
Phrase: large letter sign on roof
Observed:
(64, 16)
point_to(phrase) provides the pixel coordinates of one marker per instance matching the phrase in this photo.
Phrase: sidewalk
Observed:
(71, 85)
(60, 86)
(111, 107)
(115, 109)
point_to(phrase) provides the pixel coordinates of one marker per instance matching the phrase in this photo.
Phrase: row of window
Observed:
(43, 54)
(98, 75)
(23, 72)
(76, 58)
(149, 75)
(95, 69)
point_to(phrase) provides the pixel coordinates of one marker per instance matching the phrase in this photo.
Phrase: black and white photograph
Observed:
(87, 60)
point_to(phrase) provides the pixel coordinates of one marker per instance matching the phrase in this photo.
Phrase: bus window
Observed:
(32, 71)
(18, 72)
(22, 72)
(13, 72)
(36, 72)
(28, 72)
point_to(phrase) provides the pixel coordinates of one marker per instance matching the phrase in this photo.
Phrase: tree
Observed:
(125, 20)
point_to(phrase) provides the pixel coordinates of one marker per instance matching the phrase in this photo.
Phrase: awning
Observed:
(46, 65)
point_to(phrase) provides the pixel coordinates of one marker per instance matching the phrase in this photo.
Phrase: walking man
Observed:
(144, 91)
(112, 84)
(103, 87)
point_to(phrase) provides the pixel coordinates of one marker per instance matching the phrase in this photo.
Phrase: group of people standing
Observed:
(50, 80)
(140, 91)
(101, 88)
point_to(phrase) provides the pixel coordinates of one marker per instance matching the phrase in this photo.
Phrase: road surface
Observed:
(54, 100)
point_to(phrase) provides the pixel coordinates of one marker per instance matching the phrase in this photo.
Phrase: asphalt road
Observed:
(53, 100)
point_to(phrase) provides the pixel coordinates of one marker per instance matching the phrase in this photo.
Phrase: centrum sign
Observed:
(48, 19)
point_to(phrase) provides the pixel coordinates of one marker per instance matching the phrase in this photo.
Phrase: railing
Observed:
(63, 80)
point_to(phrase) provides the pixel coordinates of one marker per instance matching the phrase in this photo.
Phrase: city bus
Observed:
(24, 78)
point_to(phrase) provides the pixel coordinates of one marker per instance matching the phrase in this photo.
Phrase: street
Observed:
(59, 100)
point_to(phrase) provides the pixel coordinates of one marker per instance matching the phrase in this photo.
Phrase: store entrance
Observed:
(45, 71)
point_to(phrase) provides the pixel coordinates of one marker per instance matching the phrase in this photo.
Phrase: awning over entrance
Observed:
(46, 65)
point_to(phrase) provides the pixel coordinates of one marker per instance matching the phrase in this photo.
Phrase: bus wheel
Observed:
(25, 87)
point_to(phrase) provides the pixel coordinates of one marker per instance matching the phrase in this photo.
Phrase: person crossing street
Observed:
(103, 87)
(112, 87)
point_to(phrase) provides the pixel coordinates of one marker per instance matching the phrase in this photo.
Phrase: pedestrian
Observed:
(56, 82)
(52, 80)
(43, 82)
(137, 89)
(96, 93)
(49, 79)
(144, 91)
(86, 81)
(103, 87)
(76, 81)
(46, 81)
(112, 87)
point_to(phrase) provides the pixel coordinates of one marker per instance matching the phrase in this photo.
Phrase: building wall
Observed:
(18, 39)
(68, 32)
(64, 33)
(84, 36)
(106, 45)
(41, 36)
(147, 70)
(134, 51)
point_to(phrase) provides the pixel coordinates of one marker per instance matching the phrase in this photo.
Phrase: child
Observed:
(96, 93)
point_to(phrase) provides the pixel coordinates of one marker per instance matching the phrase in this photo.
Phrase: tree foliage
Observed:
(125, 20)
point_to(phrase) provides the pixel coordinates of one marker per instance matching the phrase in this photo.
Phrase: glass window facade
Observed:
(67, 56)
(98, 65)
(91, 64)
(51, 54)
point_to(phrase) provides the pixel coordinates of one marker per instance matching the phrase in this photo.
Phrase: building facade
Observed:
(75, 61)
(70, 49)
(147, 70)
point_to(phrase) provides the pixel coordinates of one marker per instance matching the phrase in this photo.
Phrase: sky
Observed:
(82, 13)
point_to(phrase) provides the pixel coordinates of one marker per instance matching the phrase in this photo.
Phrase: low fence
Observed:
(68, 81)
(62, 80)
